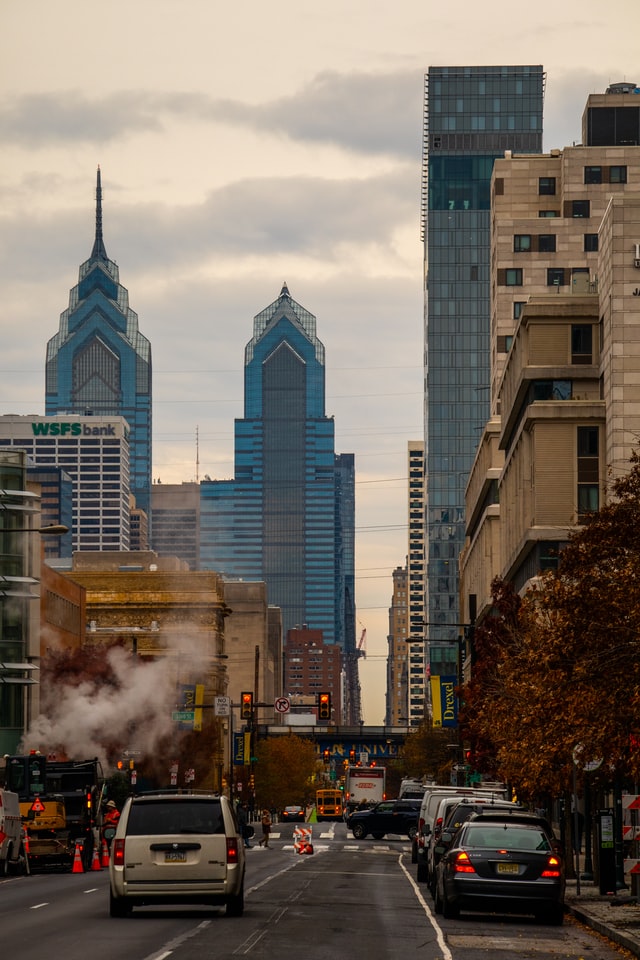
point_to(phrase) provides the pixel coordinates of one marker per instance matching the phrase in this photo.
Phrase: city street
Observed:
(348, 898)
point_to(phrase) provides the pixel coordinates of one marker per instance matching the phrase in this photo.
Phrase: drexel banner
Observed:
(444, 701)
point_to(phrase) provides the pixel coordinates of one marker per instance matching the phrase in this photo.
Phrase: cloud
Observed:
(366, 113)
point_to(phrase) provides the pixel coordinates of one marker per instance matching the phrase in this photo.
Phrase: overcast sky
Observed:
(242, 146)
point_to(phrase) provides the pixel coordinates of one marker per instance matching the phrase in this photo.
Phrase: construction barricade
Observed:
(302, 840)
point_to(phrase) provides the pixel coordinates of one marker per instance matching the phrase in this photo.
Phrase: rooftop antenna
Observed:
(98, 252)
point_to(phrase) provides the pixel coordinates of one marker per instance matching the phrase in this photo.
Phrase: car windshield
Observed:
(169, 817)
(506, 836)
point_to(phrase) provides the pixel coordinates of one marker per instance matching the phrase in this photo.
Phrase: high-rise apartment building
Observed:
(472, 116)
(397, 695)
(99, 364)
(287, 517)
(565, 356)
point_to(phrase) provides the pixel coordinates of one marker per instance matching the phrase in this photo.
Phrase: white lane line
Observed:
(446, 953)
(36, 906)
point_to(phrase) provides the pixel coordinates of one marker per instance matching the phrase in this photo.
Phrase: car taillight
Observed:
(232, 850)
(118, 853)
(552, 869)
(462, 864)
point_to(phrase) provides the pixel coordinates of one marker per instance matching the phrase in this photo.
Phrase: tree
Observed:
(425, 754)
(284, 770)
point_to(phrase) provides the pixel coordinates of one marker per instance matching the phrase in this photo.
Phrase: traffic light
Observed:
(326, 755)
(246, 706)
(324, 706)
(352, 756)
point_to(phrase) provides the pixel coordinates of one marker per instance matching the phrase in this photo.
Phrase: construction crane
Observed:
(362, 644)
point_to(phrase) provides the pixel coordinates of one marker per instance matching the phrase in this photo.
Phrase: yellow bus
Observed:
(328, 804)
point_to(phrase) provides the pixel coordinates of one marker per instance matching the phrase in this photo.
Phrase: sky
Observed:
(242, 147)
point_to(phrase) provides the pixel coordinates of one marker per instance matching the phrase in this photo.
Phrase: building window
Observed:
(548, 213)
(513, 277)
(522, 243)
(590, 242)
(581, 343)
(550, 390)
(617, 174)
(547, 243)
(547, 186)
(588, 470)
(580, 208)
(555, 277)
(593, 174)
(517, 308)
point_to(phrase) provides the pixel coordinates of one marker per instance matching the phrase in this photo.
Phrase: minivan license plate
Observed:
(508, 868)
(175, 856)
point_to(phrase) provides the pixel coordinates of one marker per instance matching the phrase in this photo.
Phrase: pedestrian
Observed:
(246, 831)
(266, 828)
(110, 822)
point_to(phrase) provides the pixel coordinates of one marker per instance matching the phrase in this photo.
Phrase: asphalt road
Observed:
(348, 899)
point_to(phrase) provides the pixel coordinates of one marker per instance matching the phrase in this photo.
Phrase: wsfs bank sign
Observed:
(68, 429)
(444, 701)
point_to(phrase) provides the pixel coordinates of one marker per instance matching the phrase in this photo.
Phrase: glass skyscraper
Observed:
(99, 364)
(288, 515)
(472, 115)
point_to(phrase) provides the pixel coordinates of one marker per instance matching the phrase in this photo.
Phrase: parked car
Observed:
(449, 817)
(177, 848)
(504, 862)
(388, 816)
(293, 813)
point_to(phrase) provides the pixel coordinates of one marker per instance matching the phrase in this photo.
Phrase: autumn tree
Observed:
(284, 770)
(425, 754)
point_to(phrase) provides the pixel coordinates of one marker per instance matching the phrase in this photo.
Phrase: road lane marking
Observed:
(36, 906)
(446, 953)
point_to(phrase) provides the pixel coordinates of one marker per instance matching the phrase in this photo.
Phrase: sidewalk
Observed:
(616, 917)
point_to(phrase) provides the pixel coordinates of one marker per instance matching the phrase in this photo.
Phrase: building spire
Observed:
(98, 252)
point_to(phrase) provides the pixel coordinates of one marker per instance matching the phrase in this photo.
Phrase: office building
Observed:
(312, 667)
(287, 517)
(175, 518)
(94, 453)
(565, 382)
(472, 116)
(99, 364)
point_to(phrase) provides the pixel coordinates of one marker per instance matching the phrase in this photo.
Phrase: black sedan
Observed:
(389, 816)
(293, 814)
(507, 863)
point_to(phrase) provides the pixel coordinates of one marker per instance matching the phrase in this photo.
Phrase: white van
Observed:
(427, 815)
(11, 853)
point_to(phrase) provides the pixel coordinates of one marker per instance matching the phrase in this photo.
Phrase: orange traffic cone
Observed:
(95, 863)
(105, 854)
(77, 860)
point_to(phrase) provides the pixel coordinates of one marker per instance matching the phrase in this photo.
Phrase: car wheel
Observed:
(437, 902)
(359, 831)
(118, 906)
(450, 911)
(421, 872)
(553, 915)
(411, 832)
(235, 905)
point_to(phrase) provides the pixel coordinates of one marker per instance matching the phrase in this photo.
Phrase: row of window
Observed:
(556, 276)
(546, 243)
(592, 174)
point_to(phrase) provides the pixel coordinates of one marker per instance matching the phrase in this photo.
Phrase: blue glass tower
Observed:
(99, 364)
(288, 515)
(472, 115)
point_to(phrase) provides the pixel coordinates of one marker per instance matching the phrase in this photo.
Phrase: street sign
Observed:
(183, 716)
(222, 706)
(282, 705)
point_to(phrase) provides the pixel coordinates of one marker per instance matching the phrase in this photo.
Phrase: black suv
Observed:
(389, 816)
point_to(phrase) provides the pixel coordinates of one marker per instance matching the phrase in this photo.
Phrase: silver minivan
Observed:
(177, 848)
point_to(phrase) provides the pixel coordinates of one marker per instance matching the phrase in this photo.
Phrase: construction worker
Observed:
(110, 821)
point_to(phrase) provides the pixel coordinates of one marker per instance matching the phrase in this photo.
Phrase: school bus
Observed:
(328, 804)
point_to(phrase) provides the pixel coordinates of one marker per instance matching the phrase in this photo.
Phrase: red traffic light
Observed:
(246, 706)
(324, 706)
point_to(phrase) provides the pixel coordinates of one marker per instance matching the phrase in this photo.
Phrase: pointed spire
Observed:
(98, 252)
(285, 290)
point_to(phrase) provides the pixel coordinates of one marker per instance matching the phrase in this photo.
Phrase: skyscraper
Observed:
(288, 516)
(99, 364)
(472, 115)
